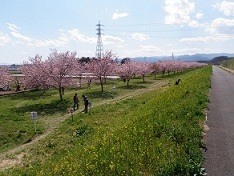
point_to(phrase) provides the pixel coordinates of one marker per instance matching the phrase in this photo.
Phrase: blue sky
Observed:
(131, 28)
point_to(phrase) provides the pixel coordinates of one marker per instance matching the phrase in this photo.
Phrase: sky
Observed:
(131, 28)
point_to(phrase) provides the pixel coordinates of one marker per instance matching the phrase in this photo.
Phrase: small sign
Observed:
(34, 115)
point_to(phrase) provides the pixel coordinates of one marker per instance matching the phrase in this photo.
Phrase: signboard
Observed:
(34, 115)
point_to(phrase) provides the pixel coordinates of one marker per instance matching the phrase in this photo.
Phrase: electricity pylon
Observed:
(99, 47)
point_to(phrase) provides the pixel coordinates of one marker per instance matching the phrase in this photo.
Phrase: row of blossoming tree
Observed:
(5, 78)
(59, 69)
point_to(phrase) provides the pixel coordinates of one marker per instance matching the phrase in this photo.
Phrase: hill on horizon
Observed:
(188, 58)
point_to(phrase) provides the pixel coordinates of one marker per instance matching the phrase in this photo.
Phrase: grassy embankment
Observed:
(157, 132)
(228, 65)
(15, 109)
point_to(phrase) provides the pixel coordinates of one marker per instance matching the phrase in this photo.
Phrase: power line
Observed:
(153, 24)
(167, 33)
(167, 36)
(169, 30)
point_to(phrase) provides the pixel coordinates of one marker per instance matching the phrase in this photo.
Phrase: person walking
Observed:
(88, 84)
(76, 102)
(86, 103)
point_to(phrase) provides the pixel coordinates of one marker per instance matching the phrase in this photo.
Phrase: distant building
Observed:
(13, 67)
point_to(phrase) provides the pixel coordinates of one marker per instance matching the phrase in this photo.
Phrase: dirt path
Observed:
(219, 157)
(14, 156)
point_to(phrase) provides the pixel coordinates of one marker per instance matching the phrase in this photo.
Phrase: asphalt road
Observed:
(219, 157)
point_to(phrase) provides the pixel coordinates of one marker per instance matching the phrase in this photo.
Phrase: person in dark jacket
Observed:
(86, 103)
(177, 81)
(76, 102)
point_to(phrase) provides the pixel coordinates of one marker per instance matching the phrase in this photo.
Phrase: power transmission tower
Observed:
(172, 55)
(99, 47)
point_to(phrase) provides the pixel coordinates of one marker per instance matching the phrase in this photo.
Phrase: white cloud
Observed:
(194, 39)
(221, 26)
(108, 39)
(20, 37)
(179, 11)
(76, 35)
(193, 23)
(189, 50)
(150, 48)
(226, 7)
(211, 38)
(220, 29)
(62, 40)
(16, 34)
(12, 27)
(117, 15)
(4, 39)
(199, 15)
(47, 43)
(218, 22)
(144, 50)
(140, 37)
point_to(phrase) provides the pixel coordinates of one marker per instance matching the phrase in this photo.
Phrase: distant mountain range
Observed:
(188, 58)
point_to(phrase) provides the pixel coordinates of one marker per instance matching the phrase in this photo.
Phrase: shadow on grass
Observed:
(145, 82)
(32, 95)
(83, 87)
(29, 139)
(102, 95)
(45, 109)
(176, 74)
(132, 86)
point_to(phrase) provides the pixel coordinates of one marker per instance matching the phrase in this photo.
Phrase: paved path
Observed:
(219, 157)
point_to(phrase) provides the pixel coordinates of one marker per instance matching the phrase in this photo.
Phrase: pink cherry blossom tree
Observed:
(169, 66)
(102, 67)
(163, 67)
(34, 77)
(55, 72)
(80, 69)
(59, 68)
(143, 68)
(5, 78)
(176, 65)
(155, 67)
(127, 70)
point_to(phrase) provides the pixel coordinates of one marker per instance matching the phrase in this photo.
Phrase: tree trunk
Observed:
(155, 75)
(143, 77)
(128, 82)
(105, 77)
(44, 88)
(60, 93)
(80, 79)
(101, 84)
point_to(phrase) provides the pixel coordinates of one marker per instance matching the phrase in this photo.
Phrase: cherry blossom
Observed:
(5, 78)
(102, 67)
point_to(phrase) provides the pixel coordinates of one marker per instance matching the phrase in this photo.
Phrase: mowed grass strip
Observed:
(155, 133)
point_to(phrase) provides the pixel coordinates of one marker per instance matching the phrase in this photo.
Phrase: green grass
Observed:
(15, 115)
(15, 109)
(154, 133)
(228, 64)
